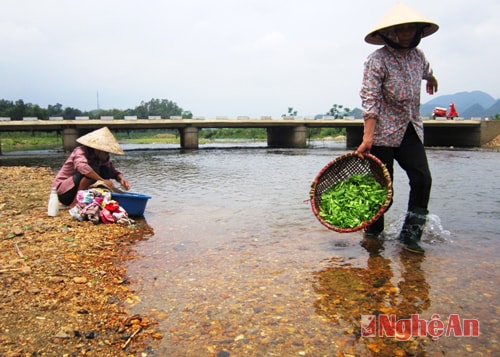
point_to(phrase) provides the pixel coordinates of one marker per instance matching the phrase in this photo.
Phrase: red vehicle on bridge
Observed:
(441, 112)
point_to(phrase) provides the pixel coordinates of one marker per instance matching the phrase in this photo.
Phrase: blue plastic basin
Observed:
(133, 203)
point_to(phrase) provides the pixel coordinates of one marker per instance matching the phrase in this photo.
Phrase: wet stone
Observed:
(91, 335)
(180, 248)
(80, 280)
(62, 335)
(379, 283)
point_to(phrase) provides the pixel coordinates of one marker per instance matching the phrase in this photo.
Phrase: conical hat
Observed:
(101, 139)
(400, 14)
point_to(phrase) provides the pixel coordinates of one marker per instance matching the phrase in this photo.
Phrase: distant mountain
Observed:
(357, 113)
(476, 110)
(494, 109)
(467, 104)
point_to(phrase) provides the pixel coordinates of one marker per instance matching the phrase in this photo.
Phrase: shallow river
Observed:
(238, 263)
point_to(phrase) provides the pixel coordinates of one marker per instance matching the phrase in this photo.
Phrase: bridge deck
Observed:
(48, 125)
(283, 132)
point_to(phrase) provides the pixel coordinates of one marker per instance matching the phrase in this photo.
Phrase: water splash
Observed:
(433, 231)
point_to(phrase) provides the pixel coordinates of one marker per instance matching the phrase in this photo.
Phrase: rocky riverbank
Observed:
(63, 282)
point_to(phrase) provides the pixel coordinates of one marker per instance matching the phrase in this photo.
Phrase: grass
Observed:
(39, 140)
(21, 140)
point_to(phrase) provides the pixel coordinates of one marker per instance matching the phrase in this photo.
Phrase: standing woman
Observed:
(87, 164)
(393, 128)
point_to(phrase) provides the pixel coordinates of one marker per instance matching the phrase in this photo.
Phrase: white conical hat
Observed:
(400, 14)
(101, 139)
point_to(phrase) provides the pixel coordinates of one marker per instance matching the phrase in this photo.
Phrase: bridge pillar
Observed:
(69, 136)
(353, 136)
(287, 136)
(489, 130)
(189, 137)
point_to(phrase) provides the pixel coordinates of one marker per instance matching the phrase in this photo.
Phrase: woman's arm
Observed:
(366, 144)
(371, 90)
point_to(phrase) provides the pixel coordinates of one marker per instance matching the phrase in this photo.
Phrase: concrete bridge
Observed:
(287, 132)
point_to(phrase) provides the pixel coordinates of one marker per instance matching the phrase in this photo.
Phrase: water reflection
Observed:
(355, 297)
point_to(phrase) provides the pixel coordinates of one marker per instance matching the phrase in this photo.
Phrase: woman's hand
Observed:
(363, 148)
(125, 184)
(366, 144)
(432, 85)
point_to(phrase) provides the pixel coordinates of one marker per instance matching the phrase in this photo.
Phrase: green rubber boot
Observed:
(412, 230)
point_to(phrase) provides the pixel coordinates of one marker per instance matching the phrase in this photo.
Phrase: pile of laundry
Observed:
(96, 205)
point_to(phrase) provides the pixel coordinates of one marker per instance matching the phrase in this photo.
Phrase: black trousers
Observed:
(412, 158)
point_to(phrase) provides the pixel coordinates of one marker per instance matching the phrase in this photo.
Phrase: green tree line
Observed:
(155, 107)
(17, 110)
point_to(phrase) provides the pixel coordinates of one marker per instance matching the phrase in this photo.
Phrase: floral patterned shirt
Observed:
(390, 93)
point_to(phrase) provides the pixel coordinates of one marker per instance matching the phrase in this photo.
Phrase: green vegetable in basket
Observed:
(353, 201)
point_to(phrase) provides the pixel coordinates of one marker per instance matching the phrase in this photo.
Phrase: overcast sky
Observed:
(226, 57)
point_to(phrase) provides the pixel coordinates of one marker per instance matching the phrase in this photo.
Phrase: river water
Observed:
(238, 263)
